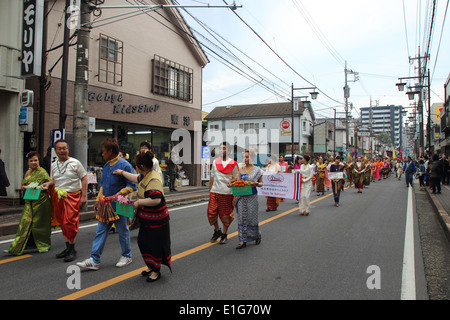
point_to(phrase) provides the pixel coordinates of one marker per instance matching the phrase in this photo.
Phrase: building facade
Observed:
(385, 119)
(144, 83)
(11, 84)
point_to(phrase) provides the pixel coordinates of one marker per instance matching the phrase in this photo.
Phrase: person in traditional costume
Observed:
(221, 199)
(337, 183)
(320, 176)
(367, 172)
(379, 172)
(154, 231)
(35, 223)
(373, 170)
(399, 169)
(272, 202)
(111, 185)
(70, 181)
(246, 207)
(358, 174)
(349, 171)
(386, 169)
(307, 173)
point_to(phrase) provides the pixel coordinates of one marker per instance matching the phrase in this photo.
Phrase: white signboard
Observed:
(335, 175)
(281, 185)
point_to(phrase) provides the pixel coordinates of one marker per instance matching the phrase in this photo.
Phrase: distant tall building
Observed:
(387, 119)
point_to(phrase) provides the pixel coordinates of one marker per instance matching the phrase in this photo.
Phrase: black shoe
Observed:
(71, 253)
(146, 273)
(216, 235)
(258, 241)
(223, 238)
(63, 253)
(240, 246)
(174, 190)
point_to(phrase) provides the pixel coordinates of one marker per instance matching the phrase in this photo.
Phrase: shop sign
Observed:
(32, 24)
(119, 107)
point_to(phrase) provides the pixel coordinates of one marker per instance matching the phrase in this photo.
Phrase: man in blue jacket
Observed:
(111, 185)
(409, 168)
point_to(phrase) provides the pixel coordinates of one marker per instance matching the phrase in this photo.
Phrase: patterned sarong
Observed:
(220, 206)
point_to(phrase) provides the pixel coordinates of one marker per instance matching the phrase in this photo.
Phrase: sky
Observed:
(279, 43)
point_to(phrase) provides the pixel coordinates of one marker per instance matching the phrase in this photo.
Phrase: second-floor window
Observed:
(172, 79)
(110, 67)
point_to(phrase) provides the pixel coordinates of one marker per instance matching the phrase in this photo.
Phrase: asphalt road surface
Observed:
(369, 248)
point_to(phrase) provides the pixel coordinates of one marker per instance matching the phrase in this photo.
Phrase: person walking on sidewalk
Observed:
(221, 200)
(409, 169)
(172, 164)
(111, 185)
(436, 173)
(445, 170)
(70, 181)
(4, 182)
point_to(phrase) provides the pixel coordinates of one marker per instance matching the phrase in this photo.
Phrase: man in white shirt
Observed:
(70, 180)
(221, 198)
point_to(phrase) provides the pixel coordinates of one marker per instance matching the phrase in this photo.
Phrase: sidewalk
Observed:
(442, 204)
(10, 216)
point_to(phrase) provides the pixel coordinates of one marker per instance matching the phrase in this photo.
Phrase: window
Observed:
(110, 67)
(249, 128)
(172, 79)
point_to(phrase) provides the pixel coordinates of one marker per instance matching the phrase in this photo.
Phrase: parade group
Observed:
(63, 194)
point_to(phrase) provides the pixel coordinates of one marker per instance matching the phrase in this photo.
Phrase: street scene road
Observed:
(358, 251)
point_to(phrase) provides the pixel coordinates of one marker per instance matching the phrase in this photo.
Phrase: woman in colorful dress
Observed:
(307, 173)
(35, 224)
(367, 172)
(151, 209)
(246, 207)
(373, 169)
(272, 202)
(349, 171)
(320, 176)
(358, 175)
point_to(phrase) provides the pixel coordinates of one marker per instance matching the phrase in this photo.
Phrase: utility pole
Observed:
(80, 105)
(65, 62)
(346, 96)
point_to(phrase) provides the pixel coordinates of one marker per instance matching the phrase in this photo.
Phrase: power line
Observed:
(271, 49)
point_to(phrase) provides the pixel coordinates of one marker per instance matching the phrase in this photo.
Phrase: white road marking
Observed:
(409, 272)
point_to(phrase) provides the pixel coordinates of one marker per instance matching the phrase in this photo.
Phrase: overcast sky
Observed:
(315, 38)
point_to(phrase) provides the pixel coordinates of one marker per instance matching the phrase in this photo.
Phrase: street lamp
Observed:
(314, 95)
(401, 86)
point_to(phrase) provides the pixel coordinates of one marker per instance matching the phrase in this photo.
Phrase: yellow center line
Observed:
(15, 258)
(131, 274)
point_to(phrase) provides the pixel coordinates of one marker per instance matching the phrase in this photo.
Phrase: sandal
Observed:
(149, 279)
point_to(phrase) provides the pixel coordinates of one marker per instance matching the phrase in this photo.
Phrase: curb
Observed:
(442, 214)
(11, 228)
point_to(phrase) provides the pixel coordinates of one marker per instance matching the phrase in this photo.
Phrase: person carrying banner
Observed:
(221, 200)
(272, 202)
(337, 183)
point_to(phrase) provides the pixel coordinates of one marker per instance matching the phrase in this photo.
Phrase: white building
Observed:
(265, 128)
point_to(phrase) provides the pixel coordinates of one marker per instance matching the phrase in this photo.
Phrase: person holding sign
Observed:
(111, 185)
(307, 172)
(35, 223)
(337, 178)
